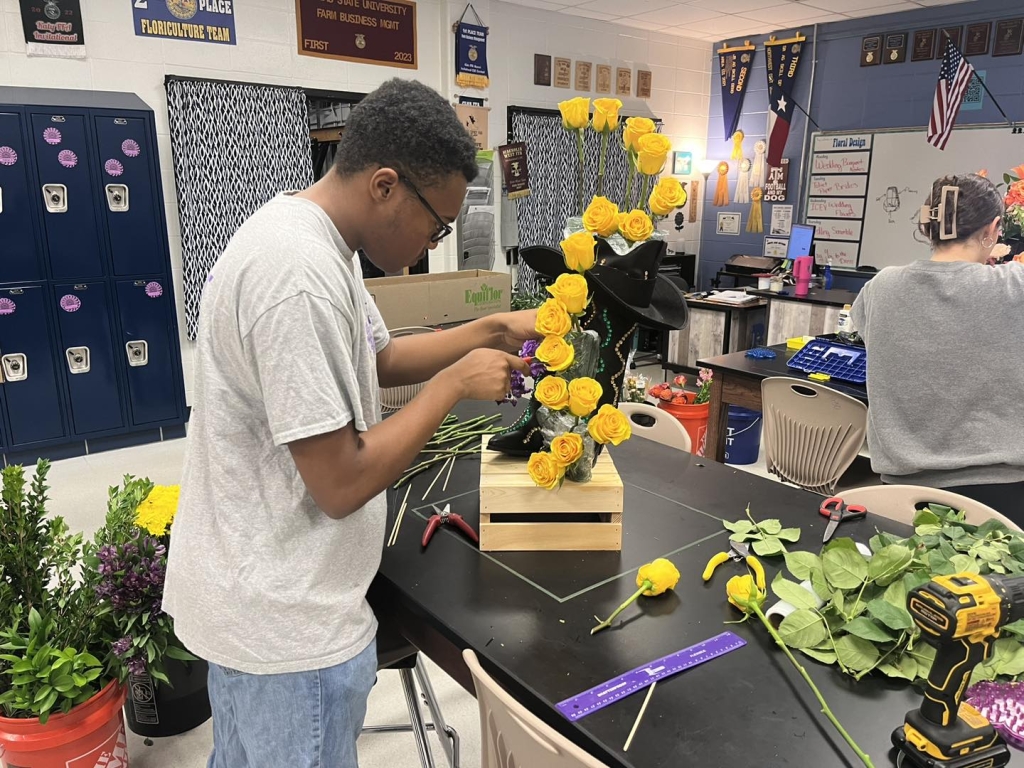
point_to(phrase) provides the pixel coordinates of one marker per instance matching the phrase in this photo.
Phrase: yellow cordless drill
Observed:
(961, 616)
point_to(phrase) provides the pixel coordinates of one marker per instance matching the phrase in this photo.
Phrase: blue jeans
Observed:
(300, 720)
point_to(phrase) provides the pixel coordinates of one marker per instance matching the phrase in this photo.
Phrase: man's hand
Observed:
(518, 328)
(484, 374)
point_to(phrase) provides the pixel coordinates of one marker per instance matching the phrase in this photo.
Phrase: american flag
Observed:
(954, 77)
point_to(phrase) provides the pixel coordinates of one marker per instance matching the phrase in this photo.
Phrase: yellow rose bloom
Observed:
(667, 195)
(552, 319)
(566, 449)
(652, 151)
(575, 113)
(744, 593)
(571, 290)
(584, 393)
(601, 217)
(635, 128)
(545, 471)
(156, 513)
(579, 251)
(636, 226)
(553, 392)
(662, 574)
(609, 425)
(606, 114)
(556, 353)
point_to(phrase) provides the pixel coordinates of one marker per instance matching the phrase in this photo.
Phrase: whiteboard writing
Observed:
(844, 186)
(836, 229)
(835, 207)
(842, 162)
(839, 255)
(843, 142)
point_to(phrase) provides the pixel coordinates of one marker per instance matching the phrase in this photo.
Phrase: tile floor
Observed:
(79, 493)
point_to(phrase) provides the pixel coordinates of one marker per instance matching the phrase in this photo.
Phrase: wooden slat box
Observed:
(506, 491)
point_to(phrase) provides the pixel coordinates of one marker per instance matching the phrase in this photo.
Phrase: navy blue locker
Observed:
(126, 161)
(90, 366)
(68, 195)
(31, 392)
(145, 309)
(19, 245)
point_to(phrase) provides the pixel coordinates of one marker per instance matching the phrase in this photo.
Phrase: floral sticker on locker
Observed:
(67, 158)
(154, 290)
(7, 306)
(52, 136)
(131, 148)
(8, 156)
(113, 167)
(70, 303)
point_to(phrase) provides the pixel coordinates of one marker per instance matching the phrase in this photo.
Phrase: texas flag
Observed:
(782, 62)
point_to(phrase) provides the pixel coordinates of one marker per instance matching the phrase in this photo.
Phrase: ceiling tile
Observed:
(732, 6)
(541, 4)
(783, 14)
(844, 6)
(895, 7)
(724, 26)
(938, 2)
(589, 14)
(677, 15)
(634, 8)
(626, 21)
(689, 34)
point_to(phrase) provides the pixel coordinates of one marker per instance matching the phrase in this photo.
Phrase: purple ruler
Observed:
(600, 696)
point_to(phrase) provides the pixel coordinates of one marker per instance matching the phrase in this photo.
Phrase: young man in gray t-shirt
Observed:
(281, 521)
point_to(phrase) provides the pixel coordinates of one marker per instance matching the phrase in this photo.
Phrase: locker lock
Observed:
(138, 353)
(117, 197)
(55, 198)
(15, 366)
(78, 359)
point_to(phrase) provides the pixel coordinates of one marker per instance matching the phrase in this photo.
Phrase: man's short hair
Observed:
(409, 127)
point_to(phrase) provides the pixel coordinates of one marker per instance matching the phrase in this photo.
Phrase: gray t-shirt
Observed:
(259, 579)
(945, 343)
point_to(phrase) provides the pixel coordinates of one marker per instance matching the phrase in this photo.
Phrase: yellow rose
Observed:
(601, 217)
(744, 593)
(552, 319)
(636, 226)
(552, 391)
(652, 150)
(583, 396)
(545, 471)
(606, 114)
(635, 128)
(579, 251)
(567, 449)
(571, 290)
(662, 574)
(609, 425)
(556, 353)
(575, 113)
(667, 196)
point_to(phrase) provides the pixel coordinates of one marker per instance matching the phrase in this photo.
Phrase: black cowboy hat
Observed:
(630, 280)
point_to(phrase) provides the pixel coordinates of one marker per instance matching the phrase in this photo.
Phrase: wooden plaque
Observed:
(583, 72)
(924, 45)
(541, 69)
(563, 72)
(871, 51)
(955, 34)
(643, 83)
(1009, 37)
(977, 39)
(604, 78)
(896, 48)
(623, 81)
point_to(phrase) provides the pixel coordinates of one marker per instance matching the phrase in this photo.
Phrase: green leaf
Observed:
(47, 705)
(80, 680)
(889, 564)
(825, 657)
(42, 693)
(856, 653)
(1008, 657)
(890, 615)
(839, 602)
(174, 652)
(820, 583)
(896, 594)
(768, 546)
(928, 529)
(843, 543)
(939, 565)
(868, 629)
(905, 668)
(789, 534)
(1008, 179)
(954, 532)
(92, 674)
(844, 568)
(1015, 628)
(964, 564)
(926, 517)
(158, 675)
(914, 580)
(793, 593)
(803, 629)
(740, 526)
(744, 537)
(800, 564)
(991, 526)
(770, 527)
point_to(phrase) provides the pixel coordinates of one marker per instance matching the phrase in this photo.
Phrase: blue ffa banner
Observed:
(471, 56)
(203, 21)
(735, 64)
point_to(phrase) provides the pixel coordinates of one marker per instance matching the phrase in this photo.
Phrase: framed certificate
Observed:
(563, 72)
(977, 39)
(871, 51)
(896, 48)
(1009, 37)
(924, 45)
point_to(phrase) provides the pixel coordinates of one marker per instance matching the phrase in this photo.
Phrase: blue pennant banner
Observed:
(471, 56)
(735, 64)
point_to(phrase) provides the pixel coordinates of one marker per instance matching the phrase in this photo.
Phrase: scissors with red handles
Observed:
(837, 511)
(447, 517)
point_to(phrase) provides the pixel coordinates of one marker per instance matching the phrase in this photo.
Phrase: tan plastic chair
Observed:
(395, 398)
(666, 428)
(812, 433)
(512, 736)
(899, 503)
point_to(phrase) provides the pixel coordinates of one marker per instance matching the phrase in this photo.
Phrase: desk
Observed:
(714, 329)
(812, 315)
(737, 381)
(528, 616)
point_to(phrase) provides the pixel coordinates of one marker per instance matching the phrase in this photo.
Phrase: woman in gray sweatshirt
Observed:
(945, 342)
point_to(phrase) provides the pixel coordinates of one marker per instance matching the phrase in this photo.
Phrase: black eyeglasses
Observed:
(443, 230)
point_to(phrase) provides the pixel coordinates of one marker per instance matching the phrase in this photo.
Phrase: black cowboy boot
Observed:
(522, 438)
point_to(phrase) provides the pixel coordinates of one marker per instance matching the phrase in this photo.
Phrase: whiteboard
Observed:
(899, 167)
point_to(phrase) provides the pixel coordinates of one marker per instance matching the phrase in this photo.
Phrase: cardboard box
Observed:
(448, 297)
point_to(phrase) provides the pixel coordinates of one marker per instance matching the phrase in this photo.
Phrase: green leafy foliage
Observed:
(767, 538)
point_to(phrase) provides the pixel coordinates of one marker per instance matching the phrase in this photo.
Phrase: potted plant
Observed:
(691, 408)
(127, 570)
(60, 696)
(1013, 221)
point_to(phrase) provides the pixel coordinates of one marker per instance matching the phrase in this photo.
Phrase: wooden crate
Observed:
(506, 490)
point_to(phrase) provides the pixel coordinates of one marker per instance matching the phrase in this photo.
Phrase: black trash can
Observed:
(155, 711)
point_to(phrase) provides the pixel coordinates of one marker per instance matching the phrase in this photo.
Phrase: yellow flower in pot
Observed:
(584, 393)
(652, 151)
(567, 449)
(572, 291)
(553, 319)
(609, 425)
(545, 470)
(556, 353)
(601, 217)
(575, 113)
(636, 226)
(667, 195)
(552, 392)
(578, 249)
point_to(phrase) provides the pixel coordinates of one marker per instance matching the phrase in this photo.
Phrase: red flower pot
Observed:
(694, 419)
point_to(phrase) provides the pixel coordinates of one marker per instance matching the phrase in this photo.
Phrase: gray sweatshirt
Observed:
(945, 345)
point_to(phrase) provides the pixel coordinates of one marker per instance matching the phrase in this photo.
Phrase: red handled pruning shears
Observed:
(837, 511)
(447, 517)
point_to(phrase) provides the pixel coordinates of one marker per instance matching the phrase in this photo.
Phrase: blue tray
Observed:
(840, 361)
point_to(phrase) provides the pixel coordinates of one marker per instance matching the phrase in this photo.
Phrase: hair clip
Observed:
(950, 232)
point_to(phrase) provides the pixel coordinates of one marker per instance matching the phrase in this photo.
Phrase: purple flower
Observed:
(132, 575)
(529, 349)
(137, 665)
(122, 646)
(517, 389)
